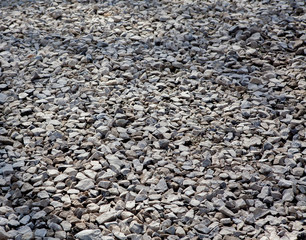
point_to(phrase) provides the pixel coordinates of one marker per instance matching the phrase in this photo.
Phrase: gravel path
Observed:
(153, 119)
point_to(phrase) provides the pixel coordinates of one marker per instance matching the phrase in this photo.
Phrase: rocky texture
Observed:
(152, 119)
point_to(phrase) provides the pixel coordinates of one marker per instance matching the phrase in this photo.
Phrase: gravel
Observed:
(152, 119)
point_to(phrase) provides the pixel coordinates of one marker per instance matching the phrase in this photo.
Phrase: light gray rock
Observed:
(284, 183)
(89, 234)
(107, 217)
(3, 234)
(7, 170)
(3, 98)
(162, 185)
(85, 185)
(288, 195)
(226, 211)
(298, 171)
(136, 228)
(265, 192)
(39, 215)
(6, 140)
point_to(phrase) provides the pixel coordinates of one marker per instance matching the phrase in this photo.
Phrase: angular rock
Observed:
(90, 234)
(85, 185)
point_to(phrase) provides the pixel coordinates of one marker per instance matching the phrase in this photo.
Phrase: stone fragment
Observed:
(162, 185)
(136, 227)
(26, 187)
(107, 217)
(284, 183)
(163, 143)
(89, 234)
(3, 98)
(56, 14)
(6, 140)
(7, 170)
(226, 211)
(3, 234)
(288, 195)
(298, 171)
(85, 185)
(39, 215)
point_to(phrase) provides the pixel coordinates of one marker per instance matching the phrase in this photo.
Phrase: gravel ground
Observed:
(153, 119)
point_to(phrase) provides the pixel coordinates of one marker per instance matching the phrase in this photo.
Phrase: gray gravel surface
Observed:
(152, 119)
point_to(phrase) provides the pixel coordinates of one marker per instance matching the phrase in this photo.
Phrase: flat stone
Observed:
(136, 228)
(130, 205)
(288, 195)
(38, 131)
(253, 141)
(162, 185)
(259, 213)
(39, 215)
(6, 140)
(284, 183)
(26, 187)
(298, 171)
(25, 219)
(66, 226)
(85, 185)
(163, 144)
(22, 210)
(180, 232)
(202, 228)
(61, 178)
(107, 217)
(3, 234)
(265, 192)
(90, 234)
(3, 98)
(7, 170)
(226, 211)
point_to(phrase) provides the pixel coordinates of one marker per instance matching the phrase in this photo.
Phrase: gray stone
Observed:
(288, 195)
(22, 210)
(3, 234)
(25, 219)
(6, 140)
(39, 215)
(107, 217)
(284, 183)
(136, 228)
(3, 98)
(180, 232)
(60, 178)
(38, 131)
(226, 211)
(265, 192)
(163, 143)
(3, 221)
(7, 170)
(298, 171)
(26, 187)
(43, 194)
(66, 225)
(202, 228)
(40, 232)
(259, 213)
(162, 185)
(85, 185)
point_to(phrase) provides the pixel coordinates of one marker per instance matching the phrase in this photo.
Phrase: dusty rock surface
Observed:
(152, 119)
